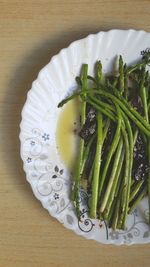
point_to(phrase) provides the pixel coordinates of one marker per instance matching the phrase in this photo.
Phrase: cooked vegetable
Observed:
(114, 147)
(76, 189)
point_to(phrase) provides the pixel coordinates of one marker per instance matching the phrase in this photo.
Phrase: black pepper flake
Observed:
(140, 166)
(90, 125)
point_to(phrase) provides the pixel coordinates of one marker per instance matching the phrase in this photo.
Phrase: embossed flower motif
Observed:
(45, 136)
(82, 212)
(58, 172)
(54, 176)
(32, 143)
(114, 235)
(29, 160)
(56, 196)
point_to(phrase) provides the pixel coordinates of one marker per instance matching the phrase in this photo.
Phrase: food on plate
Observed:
(113, 158)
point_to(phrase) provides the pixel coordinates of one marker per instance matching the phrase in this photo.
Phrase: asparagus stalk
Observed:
(111, 152)
(91, 175)
(76, 188)
(123, 201)
(137, 200)
(135, 135)
(112, 177)
(121, 75)
(86, 152)
(136, 189)
(130, 136)
(97, 163)
(116, 214)
(105, 130)
(106, 127)
(145, 61)
(126, 93)
(115, 187)
(98, 72)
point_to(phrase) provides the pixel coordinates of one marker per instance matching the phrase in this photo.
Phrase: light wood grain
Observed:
(31, 31)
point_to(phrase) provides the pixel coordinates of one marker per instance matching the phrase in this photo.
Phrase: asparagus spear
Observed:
(125, 181)
(130, 136)
(136, 189)
(115, 188)
(76, 188)
(126, 93)
(111, 152)
(97, 163)
(86, 152)
(137, 200)
(121, 75)
(116, 213)
(112, 177)
(145, 61)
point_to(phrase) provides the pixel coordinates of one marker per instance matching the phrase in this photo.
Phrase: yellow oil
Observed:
(66, 132)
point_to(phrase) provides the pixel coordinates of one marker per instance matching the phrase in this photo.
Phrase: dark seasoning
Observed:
(140, 166)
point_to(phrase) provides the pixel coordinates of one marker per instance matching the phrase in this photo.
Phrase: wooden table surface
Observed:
(31, 31)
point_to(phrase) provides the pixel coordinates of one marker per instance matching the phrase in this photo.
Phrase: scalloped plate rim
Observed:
(22, 118)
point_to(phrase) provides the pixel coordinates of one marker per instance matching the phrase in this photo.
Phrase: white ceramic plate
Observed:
(45, 171)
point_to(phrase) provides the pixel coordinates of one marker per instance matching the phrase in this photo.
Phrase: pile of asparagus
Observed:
(115, 138)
